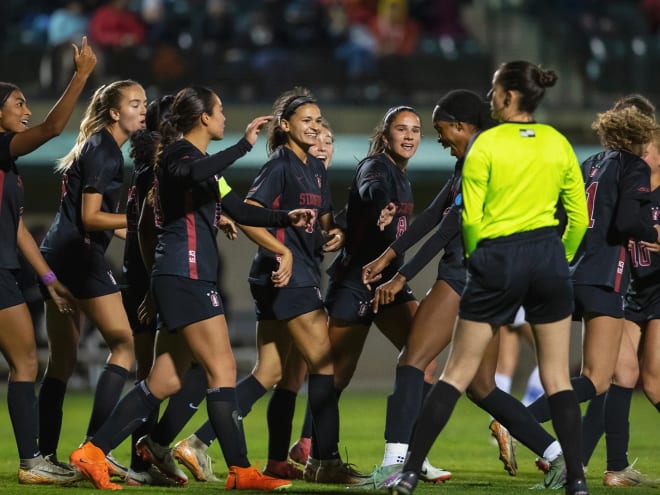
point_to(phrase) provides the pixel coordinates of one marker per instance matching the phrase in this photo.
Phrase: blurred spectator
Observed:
(438, 18)
(116, 31)
(67, 24)
(394, 31)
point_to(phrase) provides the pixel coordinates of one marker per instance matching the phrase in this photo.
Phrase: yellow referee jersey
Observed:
(512, 178)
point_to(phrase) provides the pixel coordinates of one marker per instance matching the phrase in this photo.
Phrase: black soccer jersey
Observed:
(11, 204)
(98, 169)
(377, 182)
(133, 266)
(286, 182)
(187, 208)
(645, 265)
(617, 184)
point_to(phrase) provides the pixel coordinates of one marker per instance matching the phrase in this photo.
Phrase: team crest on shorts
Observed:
(214, 297)
(655, 213)
(364, 308)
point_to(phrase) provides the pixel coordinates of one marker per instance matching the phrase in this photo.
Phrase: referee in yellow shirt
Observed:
(513, 177)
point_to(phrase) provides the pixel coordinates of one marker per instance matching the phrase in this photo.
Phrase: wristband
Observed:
(48, 278)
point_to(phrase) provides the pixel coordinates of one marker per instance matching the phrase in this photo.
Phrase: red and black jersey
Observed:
(617, 185)
(645, 265)
(98, 169)
(11, 204)
(285, 182)
(377, 182)
(187, 206)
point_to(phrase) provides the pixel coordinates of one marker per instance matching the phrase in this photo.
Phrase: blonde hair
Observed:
(97, 117)
(624, 129)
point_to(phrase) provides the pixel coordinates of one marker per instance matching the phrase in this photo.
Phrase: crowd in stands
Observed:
(359, 50)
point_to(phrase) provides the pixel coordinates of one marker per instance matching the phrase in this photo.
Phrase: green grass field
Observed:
(464, 448)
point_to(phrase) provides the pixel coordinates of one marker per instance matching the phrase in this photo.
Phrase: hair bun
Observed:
(547, 78)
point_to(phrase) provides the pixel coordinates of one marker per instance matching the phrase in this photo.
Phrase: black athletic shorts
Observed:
(86, 276)
(642, 304)
(271, 303)
(597, 301)
(182, 301)
(10, 293)
(354, 305)
(526, 269)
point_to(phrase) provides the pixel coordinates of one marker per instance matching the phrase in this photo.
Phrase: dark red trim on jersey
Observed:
(2, 187)
(192, 236)
(619, 269)
(280, 232)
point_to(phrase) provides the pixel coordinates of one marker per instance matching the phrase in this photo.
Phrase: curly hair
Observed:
(625, 129)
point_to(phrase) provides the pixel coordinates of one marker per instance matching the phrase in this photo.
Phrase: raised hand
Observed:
(371, 272)
(84, 58)
(228, 226)
(253, 128)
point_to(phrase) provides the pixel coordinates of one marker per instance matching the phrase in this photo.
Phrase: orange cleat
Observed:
(90, 461)
(250, 478)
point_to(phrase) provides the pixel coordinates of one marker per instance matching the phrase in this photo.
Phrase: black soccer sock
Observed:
(593, 427)
(325, 411)
(22, 405)
(138, 464)
(281, 408)
(435, 413)
(128, 415)
(248, 391)
(617, 426)
(206, 433)
(107, 394)
(566, 420)
(517, 419)
(306, 430)
(426, 389)
(181, 407)
(404, 404)
(584, 391)
(227, 422)
(51, 400)
(657, 406)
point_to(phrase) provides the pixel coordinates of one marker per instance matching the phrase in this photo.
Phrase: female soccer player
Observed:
(92, 177)
(511, 185)
(458, 118)
(16, 330)
(187, 201)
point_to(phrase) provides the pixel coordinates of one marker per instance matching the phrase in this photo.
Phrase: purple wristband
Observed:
(48, 278)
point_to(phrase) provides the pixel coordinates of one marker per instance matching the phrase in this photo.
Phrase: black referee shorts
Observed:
(526, 269)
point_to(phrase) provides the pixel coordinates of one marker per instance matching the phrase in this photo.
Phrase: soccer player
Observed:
(184, 285)
(17, 341)
(75, 245)
(513, 177)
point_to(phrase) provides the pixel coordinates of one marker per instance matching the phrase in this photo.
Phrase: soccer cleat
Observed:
(299, 451)
(577, 487)
(152, 477)
(338, 472)
(432, 474)
(39, 471)
(403, 484)
(115, 468)
(161, 457)
(379, 477)
(91, 461)
(250, 478)
(629, 477)
(192, 453)
(311, 468)
(284, 470)
(542, 464)
(506, 446)
(555, 476)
